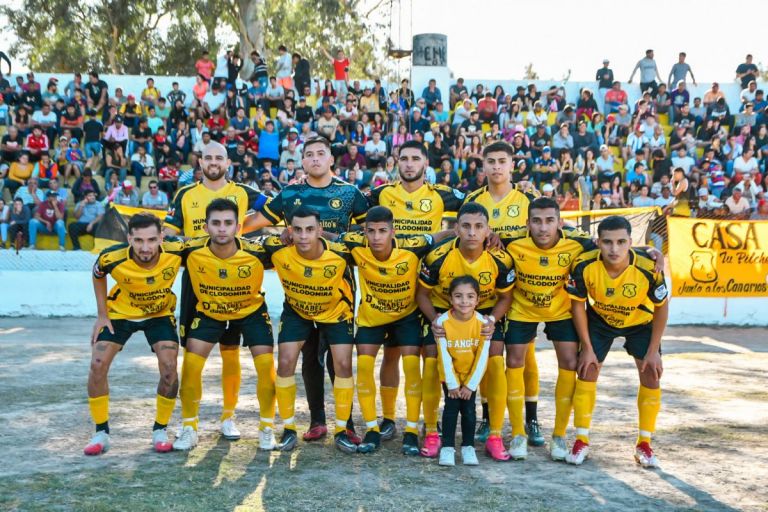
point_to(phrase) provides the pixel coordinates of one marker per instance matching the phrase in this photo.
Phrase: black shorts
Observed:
(188, 312)
(294, 327)
(405, 332)
(520, 333)
(637, 337)
(429, 337)
(256, 328)
(162, 328)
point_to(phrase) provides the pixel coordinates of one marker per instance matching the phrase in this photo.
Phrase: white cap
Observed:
(547, 188)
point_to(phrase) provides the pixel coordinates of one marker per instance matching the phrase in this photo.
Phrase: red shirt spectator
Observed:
(340, 68)
(37, 143)
(168, 173)
(47, 212)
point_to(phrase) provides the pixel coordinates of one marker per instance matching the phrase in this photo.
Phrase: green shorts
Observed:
(255, 329)
(294, 327)
(521, 333)
(638, 337)
(162, 328)
(429, 337)
(405, 332)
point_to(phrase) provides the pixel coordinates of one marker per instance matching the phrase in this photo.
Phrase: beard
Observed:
(214, 172)
(416, 177)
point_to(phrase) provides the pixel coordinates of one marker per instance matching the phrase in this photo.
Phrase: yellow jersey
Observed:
(539, 293)
(321, 290)
(509, 214)
(463, 354)
(387, 288)
(419, 212)
(227, 289)
(625, 301)
(140, 293)
(493, 271)
(186, 214)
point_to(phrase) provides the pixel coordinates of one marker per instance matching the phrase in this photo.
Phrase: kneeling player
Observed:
(626, 298)
(226, 273)
(141, 300)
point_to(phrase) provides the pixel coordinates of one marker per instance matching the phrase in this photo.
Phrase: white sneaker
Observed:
(266, 439)
(160, 441)
(558, 449)
(578, 454)
(98, 444)
(186, 440)
(645, 457)
(518, 448)
(468, 456)
(229, 429)
(447, 457)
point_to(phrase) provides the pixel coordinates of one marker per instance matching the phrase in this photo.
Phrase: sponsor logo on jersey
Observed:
(609, 292)
(307, 271)
(222, 273)
(151, 280)
(544, 261)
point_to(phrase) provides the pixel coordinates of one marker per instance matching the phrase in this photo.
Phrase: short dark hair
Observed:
(380, 214)
(316, 140)
(499, 145)
(412, 144)
(614, 223)
(305, 211)
(542, 203)
(143, 220)
(471, 209)
(458, 281)
(221, 205)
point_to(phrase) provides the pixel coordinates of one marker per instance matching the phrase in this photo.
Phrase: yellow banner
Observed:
(718, 258)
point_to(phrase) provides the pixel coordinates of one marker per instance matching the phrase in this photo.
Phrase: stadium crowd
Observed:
(67, 152)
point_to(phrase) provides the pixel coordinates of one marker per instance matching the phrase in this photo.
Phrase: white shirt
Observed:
(40, 118)
(148, 161)
(737, 207)
(380, 148)
(685, 163)
(745, 167)
(221, 67)
(214, 101)
(284, 65)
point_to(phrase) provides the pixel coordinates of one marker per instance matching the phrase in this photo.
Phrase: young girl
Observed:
(462, 359)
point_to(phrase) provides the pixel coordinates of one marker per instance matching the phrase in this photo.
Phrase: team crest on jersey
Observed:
(168, 273)
(485, 278)
(609, 292)
(564, 259)
(244, 271)
(629, 290)
(402, 268)
(513, 210)
(307, 271)
(425, 205)
(335, 203)
(496, 213)
(222, 273)
(544, 261)
(151, 280)
(329, 271)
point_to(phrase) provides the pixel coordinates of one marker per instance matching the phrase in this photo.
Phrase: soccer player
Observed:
(462, 255)
(186, 217)
(317, 278)
(226, 274)
(542, 254)
(625, 297)
(141, 300)
(338, 204)
(418, 208)
(508, 209)
(388, 315)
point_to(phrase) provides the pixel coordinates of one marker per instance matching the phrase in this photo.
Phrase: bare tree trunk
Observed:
(250, 26)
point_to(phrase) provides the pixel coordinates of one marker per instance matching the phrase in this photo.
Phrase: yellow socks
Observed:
(482, 389)
(343, 392)
(366, 391)
(285, 390)
(265, 389)
(515, 394)
(388, 402)
(531, 374)
(191, 388)
(413, 392)
(583, 404)
(99, 407)
(165, 407)
(648, 405)
(430, 394)
(566, 384)
(496, 391)
(230, 381)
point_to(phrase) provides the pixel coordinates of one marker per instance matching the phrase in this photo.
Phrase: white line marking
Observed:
(706, 340)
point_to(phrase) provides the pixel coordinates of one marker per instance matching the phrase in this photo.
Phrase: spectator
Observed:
(18, 224)
(762, 211)
(96, 92)
(18, 173)
(649, 72)
(680, 71)
(48, 219)
(88, 213)
(583, 139)
(168, 177)
(204, 66)
(36, 143)
(604, 77)
(713, 94)
(124, 195)
(746, 72)
(562, 140)
(45, 170)
(615, 98)
(738, 205)
(5, 219)
(85, 184)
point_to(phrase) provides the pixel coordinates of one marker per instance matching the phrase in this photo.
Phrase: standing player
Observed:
(226, 273)
(389, 270)
(418, 208)
(492, 268)
(317, 278)
(508, 209)
(186, 217)
(542, 255)
(141, 300)
(625, 297)
(338, 203)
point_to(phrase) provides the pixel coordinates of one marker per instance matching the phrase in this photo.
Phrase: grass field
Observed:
(712, 440)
